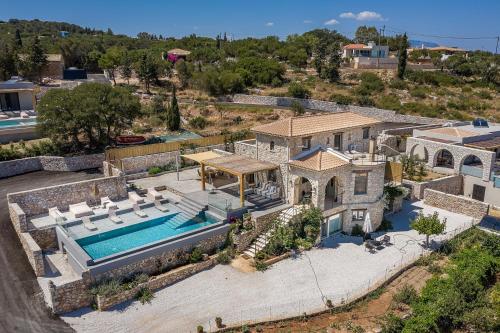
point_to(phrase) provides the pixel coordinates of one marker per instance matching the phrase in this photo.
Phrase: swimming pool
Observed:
(17, 122)
(140, 234)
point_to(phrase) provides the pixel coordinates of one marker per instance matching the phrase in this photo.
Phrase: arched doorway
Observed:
(444, 159)
(332, 193)
(420, 153)
(471, 165)
(303, 190)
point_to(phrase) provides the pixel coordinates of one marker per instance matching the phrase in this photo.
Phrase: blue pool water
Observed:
(17, 122)
(140, 234)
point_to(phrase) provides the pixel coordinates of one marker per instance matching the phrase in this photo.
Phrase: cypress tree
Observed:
(402, 57)
(18, 40)
(173, 114)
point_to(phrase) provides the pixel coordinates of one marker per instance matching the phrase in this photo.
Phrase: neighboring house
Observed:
(445, 52)
(64, 34)
(53, 69)
(368, 56)
(323, 160)
(471, 150)
(17, 95)
(175, 55)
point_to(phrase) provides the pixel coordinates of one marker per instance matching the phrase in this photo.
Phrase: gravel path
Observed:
(341, 269)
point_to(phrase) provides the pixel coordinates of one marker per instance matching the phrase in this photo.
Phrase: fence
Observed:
(298, 309)
(114, 155)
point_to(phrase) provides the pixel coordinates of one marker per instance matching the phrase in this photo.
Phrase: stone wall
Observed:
(384, 115)
(109, 170)
(50, 163)
(451, 185)
(137, 164)
(18, 218)
(71, 295)
(40, 200)
(456, 204)
(246, 148)
(33, 252)
(45, 238)
(156, 282)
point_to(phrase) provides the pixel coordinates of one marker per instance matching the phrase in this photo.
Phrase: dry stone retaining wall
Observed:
(456, 204)
(451, 185)
(70, 296)
(33, 252)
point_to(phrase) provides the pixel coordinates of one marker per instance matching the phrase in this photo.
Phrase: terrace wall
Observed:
(40, 200)
(33, 252)
(71, 295)
(50, 163)
(456, 204)
(451, 185)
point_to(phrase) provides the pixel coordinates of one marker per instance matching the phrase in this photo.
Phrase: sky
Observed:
(422, 20)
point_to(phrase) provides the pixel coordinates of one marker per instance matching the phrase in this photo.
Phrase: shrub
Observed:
(237, 120)
(365, 101)
(432, 78)
(385, 225)
(484, 94)
(392, 324)
(107, 288)
(406, 295)
(297, 108)
(154, 170)
(260, 265)
(389, 102)
(398, 84)
(341, 99)
(357, 231)
(199, 329)
(434, 268)
(198, 122)
(224, 258)
(419, 92)
(218, 322)
(297, 90)
(196, 255)
(245, 329)
(370, 83)
(144, 295)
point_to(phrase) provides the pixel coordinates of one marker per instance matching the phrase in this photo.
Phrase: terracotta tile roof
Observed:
(319, 161)
(453, 131)
(178, 52)
(355, 46)
(307, 125)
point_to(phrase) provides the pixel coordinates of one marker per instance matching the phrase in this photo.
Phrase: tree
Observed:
(173, 114)
(184, 72)
(428, 225)
(147, 70)
(8, 63)
(18, 39)
(297, 90)
(35, 60)
(89, 117)
(366, 34)
(111, 61)
(402, 56)
(126, 66)
(297, 108)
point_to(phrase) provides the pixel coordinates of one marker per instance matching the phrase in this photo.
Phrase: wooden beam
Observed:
(202, 176)
(242, 190)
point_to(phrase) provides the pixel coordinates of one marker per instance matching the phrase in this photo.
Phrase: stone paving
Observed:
(340, 269)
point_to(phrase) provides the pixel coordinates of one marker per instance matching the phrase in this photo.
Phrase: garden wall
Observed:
(33, 252)
(50, 163)
(70, 296)
(312, 104)
(451, 185)
(38, 201)
(456, 204)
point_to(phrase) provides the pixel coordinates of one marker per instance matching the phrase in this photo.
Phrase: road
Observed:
(21, 303)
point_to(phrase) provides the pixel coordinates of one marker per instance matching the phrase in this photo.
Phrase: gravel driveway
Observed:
(341, 269)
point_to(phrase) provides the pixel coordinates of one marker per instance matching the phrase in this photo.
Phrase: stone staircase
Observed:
(191, 207)
(260, 242)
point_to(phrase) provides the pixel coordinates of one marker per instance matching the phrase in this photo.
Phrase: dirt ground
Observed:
(366, 314)
(21, 303)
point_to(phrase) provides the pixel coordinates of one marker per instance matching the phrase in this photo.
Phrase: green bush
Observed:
(218, 322)
(199, 329)
(484, 94)
(357, 231)
(385, 225)
(224, 258)
(196, 255)
(107, 288)
(398, 84)
(297, 108)
(433, 78)
(154, 170)
(198, 122)
(159, 169)
(297, 90)
(260, 265)
(370, 83)
(144, 295)
(388, 102)
(341, 99)
(419, 92)
(406, 295)
(365, 101)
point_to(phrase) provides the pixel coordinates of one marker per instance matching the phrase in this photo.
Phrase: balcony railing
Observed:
(472, 171)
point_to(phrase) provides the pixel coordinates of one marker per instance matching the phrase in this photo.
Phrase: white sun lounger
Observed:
(160, 207)
(154, 195)
(112, 216)
(88, 224)
(135, 198)
(106, 202)
(138, 211)
(56, 214)
(81, 209)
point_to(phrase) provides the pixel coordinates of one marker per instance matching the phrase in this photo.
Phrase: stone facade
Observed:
(450, 184)
(383, 115)
(33, 252)
(40, 200)
(71, 295)
(156, 282)
(459, 153)
(18, 218)
(50, 163)
(456, 204)
(45, 238)
(246, 148)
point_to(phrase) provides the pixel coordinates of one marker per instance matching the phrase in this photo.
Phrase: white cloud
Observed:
(363, 16)
(269, 24)
(331, 22)
(308, 21)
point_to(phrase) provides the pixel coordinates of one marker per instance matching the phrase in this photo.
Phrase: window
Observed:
(358, 214)
(337, 141)
(366, 133)
(328, 140)
(271, 145)
(306, 143)
(361, 182)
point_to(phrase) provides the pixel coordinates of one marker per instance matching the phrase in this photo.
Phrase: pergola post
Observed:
(242, 190)
(202, 176)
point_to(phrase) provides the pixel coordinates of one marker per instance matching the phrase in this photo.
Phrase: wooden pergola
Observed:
(236, 165)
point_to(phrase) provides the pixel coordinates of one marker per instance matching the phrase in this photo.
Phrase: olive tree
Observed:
(428, 225)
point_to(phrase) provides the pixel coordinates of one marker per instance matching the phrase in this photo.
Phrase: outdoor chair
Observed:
(88, 224)
(386, 240)
(271, 189)
(154, 195)
(369, 247)
(160, 207)
(81, 209)
(112, 216)
(264, 188)
(106, 202)
(138, 211)
(274, 193)
(56, 214)
(135, 198)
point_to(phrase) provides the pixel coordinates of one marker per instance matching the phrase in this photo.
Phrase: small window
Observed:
(337, 141)
(361, 182)
(306, 143)
(358, 214)
(271, 145)
(366, 133)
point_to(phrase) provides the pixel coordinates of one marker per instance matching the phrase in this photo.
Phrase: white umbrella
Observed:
(367, 226)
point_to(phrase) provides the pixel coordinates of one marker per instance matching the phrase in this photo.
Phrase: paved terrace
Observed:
(340, 269)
